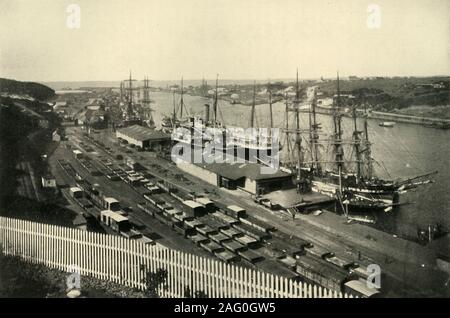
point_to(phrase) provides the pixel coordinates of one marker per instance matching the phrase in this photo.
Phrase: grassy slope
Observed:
(393, 94)
(35, 90)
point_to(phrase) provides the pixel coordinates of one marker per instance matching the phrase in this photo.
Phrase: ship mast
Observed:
(181, 99)
(215, 100)
(298, 140)
(356, 141)
(174, 115)
(252, 116)
(286, 120)
(146, 103)
(130, 97)
(314, 136)
(121, 92)
(338, 135)
(270, 106)
(204, 89)
(368, 150)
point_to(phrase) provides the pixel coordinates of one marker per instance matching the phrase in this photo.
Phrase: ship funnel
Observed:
(206, 113)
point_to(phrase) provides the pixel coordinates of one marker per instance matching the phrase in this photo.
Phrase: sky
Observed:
(238, 39)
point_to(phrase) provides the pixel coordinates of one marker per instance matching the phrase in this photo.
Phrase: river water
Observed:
(403, 151)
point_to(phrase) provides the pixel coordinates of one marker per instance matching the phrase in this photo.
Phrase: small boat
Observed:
(386, 124)
(362, 219)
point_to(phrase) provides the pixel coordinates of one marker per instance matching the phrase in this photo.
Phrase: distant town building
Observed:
(48, 181)
(325, 102)
(220, 91)
(59, 105)
(93, 118)
(430, 85)
(56, 136)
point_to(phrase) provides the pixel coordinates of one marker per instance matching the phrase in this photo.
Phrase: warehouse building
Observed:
(245, 176)
(144, 138)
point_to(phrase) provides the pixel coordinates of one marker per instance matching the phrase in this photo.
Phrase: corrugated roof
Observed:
(111, 200)
(241, 170)
(284, 198)
(288, 198)
(192, 204)
(235, 208)
(143, 133)
(361, 287)
(113, 215)
(204, 201)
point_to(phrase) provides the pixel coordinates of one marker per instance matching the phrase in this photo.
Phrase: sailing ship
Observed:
(136, 110)
(130, 115)
(169, 123)
(146, 109)
(351, 181)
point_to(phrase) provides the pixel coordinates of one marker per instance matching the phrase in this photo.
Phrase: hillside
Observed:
(394, 94)
(26, 89)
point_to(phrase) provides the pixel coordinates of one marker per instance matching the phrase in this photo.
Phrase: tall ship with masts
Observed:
(317, 160)
(210, 130)
(135, 107)
(146, 109)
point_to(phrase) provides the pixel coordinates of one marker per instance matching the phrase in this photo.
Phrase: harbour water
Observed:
(403, 151)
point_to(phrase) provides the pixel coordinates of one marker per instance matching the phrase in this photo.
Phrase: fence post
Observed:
(118, 259)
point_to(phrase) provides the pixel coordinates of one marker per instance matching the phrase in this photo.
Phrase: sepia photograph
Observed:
(237, 152)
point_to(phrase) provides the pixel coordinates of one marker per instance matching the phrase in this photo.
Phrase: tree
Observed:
(154, 281)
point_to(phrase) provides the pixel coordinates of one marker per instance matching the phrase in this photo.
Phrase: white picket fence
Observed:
(124, 261)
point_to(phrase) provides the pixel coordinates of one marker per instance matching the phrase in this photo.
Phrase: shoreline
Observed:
(432, 122)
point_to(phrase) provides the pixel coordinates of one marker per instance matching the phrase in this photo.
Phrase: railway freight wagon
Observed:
(153, 199)
(235, 211)
(117, 222)
(293, 240)
(181, 195)
(107, 203)
(83, 203)
(319, 272)
(284, 248)
(68, 168)
(77, 154)
(99, 199)
(257, 224)
(76, 192)
(192, 208)
(251, 231)
(231, 210)
(183, 229)
(166, 186)
(207, 204)
(146, 208)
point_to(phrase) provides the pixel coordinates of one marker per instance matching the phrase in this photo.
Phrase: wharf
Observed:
(411, 268)
(291, 198)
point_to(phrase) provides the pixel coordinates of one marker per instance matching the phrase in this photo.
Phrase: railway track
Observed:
(28, 190)
(316, 237)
